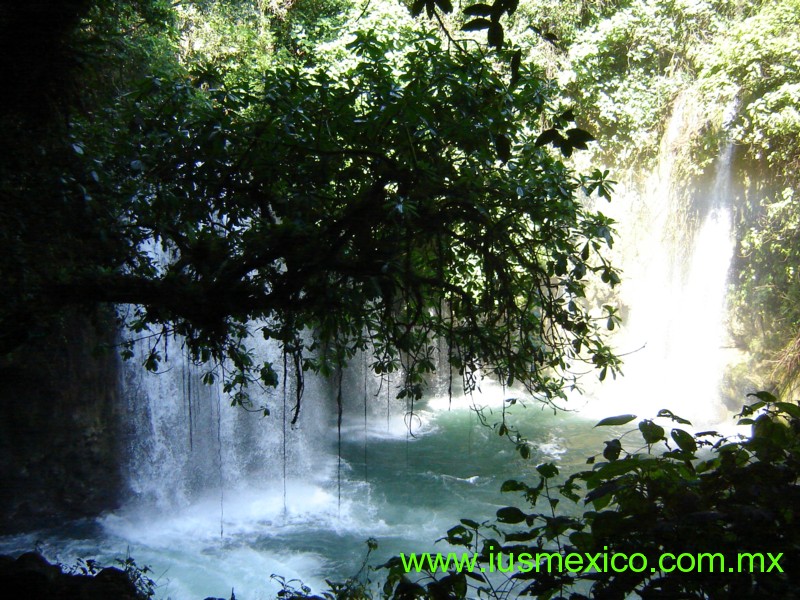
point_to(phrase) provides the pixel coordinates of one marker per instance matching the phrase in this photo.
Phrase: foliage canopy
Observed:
(398, 199)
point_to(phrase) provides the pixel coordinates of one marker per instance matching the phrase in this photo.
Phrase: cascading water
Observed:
(205, 476)
(693, 346)
(211, 482)
(223, 498)
(675, 262)
(186, 434)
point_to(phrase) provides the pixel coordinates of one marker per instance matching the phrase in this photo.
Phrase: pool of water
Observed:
(404, 488)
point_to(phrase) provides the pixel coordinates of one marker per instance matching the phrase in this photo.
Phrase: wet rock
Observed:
(33, 562)
(32, 577)
(111, 582)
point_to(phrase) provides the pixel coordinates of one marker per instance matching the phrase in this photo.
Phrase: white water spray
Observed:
(675, 278)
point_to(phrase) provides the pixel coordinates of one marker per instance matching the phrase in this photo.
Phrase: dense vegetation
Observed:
(215, 164)
(226, 192)
(734, 65)
(337, 178)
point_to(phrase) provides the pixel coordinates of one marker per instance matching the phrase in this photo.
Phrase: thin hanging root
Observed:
(189, 396)
(219, 458)
(388, 386)
(283, 424)
(339, 438)
(365, 416)
(297, 358)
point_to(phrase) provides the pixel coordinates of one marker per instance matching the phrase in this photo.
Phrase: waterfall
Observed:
(220, 497)
(697, 333)
(186, 444)
(677, 245)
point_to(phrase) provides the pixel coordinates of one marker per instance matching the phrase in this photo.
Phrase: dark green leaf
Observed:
(790, 409)
(510, 6)
(602, 491)
(617, 468)
(510, 514)
(764, 396)
(459, 535)
(612, 450)
(684, 440)
(516, 61)
(445, 5)
(512, 485)
(503, 147)
(578, 138)
(478, 10)
(549, 136)
(618, 420)
(495, 35)
(476, 25)
(582, 540)
(547, 470)
(522, 536)
(651, 432)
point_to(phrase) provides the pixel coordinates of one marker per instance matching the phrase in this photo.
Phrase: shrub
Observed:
(649, 492)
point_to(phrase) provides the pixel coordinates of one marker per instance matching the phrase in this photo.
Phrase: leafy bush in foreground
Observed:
(650, 491)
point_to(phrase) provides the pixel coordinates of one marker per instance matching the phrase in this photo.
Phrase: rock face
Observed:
(60, 426)
(31, 577)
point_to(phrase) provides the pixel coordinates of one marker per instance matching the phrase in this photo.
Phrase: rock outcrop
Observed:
(30, 576)
(60, 426)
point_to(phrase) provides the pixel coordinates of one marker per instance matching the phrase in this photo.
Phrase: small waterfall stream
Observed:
(697, 334)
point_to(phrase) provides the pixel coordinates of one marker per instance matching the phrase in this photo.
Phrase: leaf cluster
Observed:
(396, 202)
(651, 492)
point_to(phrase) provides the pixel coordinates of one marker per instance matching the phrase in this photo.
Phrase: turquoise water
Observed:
(413, 487)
